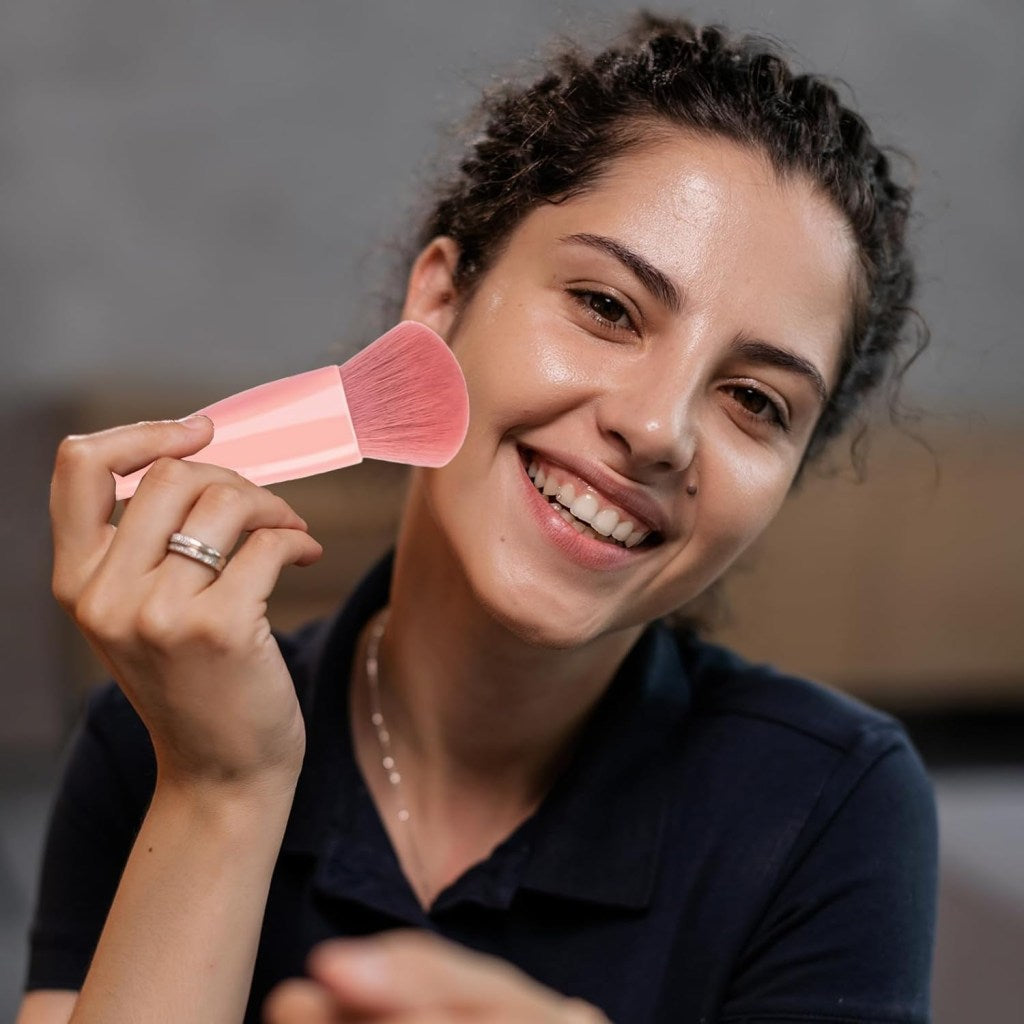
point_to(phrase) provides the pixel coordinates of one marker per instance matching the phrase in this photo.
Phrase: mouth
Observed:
(586, 510)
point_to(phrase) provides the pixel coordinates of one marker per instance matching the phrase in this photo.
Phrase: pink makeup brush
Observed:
(401, 399)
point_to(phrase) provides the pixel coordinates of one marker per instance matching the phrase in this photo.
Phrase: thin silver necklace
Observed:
(387, 757)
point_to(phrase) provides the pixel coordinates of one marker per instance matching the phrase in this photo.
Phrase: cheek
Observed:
(742, 496)
(522, 367)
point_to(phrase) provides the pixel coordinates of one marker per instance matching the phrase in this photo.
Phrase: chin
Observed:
(543, 634)
(540, 620)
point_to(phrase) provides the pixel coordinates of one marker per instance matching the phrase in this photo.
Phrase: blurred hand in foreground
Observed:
(413, 977)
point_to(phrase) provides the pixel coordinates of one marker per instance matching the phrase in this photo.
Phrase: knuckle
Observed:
(63, 590)
(165, 626)
(96, 614)
(166, 470)
(209, 633)
(223, 498)
(71, 451)
(156, 624)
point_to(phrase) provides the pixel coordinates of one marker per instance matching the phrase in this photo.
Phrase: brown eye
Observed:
(607, 311)
(754, 400)
(755, 403)
(605, 306)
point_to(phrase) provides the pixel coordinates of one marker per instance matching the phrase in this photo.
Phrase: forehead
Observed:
(760, 252)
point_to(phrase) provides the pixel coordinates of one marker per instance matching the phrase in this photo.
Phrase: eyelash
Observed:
(583, 297)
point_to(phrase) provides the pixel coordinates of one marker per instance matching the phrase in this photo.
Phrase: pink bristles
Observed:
(407, 397)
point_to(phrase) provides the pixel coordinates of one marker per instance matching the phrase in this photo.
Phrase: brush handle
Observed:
(289, 428)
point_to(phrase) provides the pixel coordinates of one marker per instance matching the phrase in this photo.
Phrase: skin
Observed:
(498, 644)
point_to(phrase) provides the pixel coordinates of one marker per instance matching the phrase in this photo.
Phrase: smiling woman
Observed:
(670, 273)
(612, 338)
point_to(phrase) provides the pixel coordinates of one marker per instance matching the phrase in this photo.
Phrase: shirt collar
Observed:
(597, 836)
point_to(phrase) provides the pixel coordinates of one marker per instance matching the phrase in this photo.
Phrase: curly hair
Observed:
(550, 141)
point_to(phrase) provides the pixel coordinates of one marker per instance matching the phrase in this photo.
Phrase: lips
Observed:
(608, 504)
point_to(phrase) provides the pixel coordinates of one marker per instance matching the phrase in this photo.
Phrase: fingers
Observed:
(114, 581)
(404, 971)
(300, 1002)
(251, 575)
(408, 977)
(82, 488)
(213, 504)
(224, 509)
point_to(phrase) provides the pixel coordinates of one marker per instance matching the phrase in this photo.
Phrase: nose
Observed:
(651, 420)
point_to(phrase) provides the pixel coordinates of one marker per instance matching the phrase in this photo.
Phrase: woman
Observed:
(670, 274)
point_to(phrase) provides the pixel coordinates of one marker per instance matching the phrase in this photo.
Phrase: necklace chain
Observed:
(387, 757)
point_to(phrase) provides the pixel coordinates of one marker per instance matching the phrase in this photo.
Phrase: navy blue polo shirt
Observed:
(729, 843)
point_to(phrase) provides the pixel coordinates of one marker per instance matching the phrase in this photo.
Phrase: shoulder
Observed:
(814, 821)
(726, 683)
(794, 760)
(771, 711)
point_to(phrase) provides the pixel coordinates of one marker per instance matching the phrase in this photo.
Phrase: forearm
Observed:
(180, 940)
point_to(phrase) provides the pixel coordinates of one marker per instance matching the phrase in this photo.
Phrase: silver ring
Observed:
(192, 547)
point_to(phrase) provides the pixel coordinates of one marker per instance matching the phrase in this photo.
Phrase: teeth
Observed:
(623, 530)
(584, 513)
(605, 521)
(584, 507)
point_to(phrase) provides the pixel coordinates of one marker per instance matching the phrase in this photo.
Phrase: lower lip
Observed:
(584, 551)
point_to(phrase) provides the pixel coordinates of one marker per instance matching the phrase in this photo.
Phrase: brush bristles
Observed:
(407, 397)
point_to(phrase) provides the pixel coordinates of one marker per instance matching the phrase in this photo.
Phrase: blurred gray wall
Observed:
(211, 188)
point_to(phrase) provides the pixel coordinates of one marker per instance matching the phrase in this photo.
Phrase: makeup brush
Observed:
(401, 399)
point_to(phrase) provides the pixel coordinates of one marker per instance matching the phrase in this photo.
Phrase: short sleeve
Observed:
(848, 935)
(100, 803)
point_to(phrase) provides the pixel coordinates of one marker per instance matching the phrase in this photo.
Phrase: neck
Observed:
(473, 706)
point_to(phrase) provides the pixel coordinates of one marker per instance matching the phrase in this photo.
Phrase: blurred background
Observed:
(198, 197)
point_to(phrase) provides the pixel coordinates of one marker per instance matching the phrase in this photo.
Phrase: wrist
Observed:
(233, 804)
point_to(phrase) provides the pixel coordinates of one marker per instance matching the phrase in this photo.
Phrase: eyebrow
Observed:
(648, 274)
(765, 354)
(761, 352)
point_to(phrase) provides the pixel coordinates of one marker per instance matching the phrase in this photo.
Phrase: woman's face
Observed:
(670, 329)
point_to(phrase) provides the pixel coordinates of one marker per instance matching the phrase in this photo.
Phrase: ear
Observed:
(430, 296)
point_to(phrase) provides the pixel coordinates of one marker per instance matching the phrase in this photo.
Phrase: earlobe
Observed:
(430, 296)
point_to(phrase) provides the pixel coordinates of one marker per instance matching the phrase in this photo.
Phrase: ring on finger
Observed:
(192, 547)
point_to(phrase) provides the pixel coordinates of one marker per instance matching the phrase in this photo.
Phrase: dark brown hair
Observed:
(551, 139)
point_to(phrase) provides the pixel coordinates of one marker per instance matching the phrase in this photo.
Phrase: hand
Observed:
(191, 649)
(410, 977)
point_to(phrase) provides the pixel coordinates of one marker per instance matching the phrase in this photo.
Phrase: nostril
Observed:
(620, 439)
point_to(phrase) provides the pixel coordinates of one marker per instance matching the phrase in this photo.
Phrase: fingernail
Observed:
(197, 421)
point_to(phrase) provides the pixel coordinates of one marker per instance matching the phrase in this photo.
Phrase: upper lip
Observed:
(629, 498)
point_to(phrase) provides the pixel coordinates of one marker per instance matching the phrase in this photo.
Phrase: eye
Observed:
(755, 403)
(606, 310)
